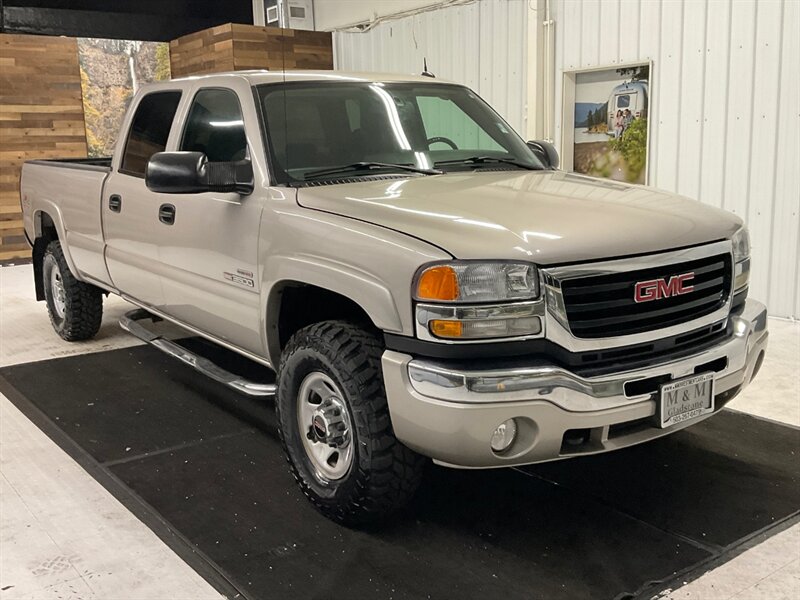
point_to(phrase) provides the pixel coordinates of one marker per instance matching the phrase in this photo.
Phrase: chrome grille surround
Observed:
(557, 322)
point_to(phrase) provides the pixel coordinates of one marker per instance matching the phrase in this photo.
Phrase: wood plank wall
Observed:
(235, 47)
(41, 111)
(41, 116)
(207, 51)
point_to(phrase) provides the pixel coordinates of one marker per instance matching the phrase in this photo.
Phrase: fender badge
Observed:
(239, 279)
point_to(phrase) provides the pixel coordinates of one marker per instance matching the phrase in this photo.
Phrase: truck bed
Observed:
(102, 163)
(70, 192)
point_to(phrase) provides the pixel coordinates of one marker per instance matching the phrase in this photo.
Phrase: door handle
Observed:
(115, 203)
(166, 214)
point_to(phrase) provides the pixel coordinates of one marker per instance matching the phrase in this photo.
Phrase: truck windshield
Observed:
(326, 128)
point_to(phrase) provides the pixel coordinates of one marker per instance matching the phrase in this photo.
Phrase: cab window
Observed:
(149, 131)
(215, 126)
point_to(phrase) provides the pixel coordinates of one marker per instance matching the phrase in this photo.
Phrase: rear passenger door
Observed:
(210, 250)
(130, 211)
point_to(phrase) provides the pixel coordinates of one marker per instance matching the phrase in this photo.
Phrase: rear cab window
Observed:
(149, 130)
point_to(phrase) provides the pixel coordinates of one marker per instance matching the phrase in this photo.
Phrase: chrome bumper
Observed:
(450, 414)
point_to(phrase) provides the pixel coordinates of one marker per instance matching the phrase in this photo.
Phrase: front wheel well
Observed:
(297, 305)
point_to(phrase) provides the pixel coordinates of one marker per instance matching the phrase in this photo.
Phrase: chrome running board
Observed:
(130, 322)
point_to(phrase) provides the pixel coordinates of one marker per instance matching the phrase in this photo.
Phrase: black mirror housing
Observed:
(545, 152)
(192, 173)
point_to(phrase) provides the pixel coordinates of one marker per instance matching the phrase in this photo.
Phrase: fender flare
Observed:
(40, 242)
(51, 210)
(367, 291)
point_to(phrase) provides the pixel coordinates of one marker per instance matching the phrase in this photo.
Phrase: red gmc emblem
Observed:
(657, 289)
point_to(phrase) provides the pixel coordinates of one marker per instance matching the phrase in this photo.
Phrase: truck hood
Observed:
(547, 217)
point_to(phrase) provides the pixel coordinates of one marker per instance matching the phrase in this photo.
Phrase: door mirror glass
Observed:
(545, 152)
(192, 173)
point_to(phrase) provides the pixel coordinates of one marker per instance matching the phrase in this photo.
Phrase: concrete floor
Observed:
(62, 535)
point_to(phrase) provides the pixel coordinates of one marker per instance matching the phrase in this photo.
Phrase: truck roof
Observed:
(257, 77)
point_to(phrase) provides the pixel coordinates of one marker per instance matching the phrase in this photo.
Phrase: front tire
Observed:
(75, 308)
(334, 424)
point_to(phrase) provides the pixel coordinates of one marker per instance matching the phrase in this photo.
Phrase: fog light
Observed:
(504, 436)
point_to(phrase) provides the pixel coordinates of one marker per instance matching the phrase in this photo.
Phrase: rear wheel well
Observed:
(298, 305)
(46, 232)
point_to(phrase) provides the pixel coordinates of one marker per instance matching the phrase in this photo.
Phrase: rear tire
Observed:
(75, 308)
(338, 439)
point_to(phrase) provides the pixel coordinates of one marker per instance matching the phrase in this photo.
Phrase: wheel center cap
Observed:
(320, 427)
(328, 426)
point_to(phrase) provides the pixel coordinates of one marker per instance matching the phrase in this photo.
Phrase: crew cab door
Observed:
(209, 243)
(130, 211)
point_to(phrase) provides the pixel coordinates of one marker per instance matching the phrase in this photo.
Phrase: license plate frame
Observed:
(685, 399)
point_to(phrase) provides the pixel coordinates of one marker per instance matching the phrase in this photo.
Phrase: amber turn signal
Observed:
(447, 329)
(438, 283)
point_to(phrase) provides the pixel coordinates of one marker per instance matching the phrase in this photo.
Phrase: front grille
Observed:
(601, 306)
(591, 364)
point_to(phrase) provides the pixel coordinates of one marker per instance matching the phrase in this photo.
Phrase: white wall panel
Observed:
(591, 25)
(691, 99)
(627, 43)
(715, 122)
(763, 125)
(725, 110)
(482, 45)
(667, 91)
(741, 64)
(784, 284)
(609, 38)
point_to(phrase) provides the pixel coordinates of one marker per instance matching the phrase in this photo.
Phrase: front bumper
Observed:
(450, 414)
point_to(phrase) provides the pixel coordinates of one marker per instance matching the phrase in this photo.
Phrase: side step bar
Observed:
(130, 322)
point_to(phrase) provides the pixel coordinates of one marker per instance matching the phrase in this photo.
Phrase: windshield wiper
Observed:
(368, 166)
(479, 160)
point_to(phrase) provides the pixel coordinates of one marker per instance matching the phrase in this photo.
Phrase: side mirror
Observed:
(545, 152)
(192, 173)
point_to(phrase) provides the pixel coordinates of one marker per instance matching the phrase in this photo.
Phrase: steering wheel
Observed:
(443, 140)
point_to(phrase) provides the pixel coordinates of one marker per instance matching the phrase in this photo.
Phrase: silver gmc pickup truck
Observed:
(425, 283)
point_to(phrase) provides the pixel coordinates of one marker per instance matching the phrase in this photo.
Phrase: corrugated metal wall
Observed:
(482, 45)
(726, 107)
(725, 95)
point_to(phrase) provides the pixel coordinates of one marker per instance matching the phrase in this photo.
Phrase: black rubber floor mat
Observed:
(205, 463)
(715, 483)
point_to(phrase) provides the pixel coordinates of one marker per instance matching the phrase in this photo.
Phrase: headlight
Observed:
(741, 245)
(741, 258)
(464, 300)
(477, 282)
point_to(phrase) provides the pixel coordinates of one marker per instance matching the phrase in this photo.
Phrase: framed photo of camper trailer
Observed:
(605, 121)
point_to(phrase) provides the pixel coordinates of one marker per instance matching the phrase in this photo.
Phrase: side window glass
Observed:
(149, 130)
(215, 126)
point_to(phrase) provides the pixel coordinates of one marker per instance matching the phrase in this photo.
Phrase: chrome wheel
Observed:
(325, 426)
(57, 292)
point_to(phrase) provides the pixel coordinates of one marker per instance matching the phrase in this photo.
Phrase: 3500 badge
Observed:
(239, 279)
